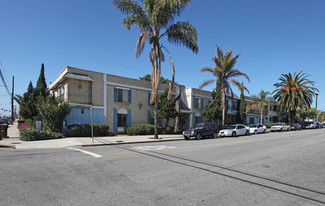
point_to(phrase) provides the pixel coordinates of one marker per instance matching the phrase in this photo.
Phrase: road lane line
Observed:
(85, 152)
(157, 151)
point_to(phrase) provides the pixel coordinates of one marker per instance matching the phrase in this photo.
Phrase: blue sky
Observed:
(273, 37)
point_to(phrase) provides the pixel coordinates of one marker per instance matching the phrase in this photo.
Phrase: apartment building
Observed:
(253, 115)
(108, 99)
(120, 101)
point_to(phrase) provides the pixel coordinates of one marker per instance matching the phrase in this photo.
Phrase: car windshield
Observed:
(231, 127)
(278, 124)
(253, 126)
(198, 126)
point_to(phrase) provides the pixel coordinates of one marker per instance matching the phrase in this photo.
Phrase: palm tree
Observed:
(294, 91)
(261, 102)
(224, 72)
(155, 19)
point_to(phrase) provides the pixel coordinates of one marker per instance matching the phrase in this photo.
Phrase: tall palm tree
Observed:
(261, 102)
(294, 91)
(224, 72)
(155, 19)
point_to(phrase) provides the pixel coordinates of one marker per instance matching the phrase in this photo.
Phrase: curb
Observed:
(118, 143)
(8, 146)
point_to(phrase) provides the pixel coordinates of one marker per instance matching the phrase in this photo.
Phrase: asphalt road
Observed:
(286, 168)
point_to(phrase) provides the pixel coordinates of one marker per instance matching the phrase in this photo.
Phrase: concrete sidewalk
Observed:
(14, 142)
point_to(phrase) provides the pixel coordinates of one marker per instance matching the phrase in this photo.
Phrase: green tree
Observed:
(213, 111)
(155, 19)
(167, 107)
(54, 111)
(294, 91)
(225, 72)
(162, 80)
(310, 113)
(321, 117)
(41, 87)
(242, 108)
(261, 101)
(27, 103)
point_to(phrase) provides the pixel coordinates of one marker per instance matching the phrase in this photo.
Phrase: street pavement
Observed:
(277, 169)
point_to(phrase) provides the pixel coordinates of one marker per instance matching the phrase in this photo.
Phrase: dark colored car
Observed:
(202, 130)
(295, 126)
(318, 125)
(322, 125)
(3, 121)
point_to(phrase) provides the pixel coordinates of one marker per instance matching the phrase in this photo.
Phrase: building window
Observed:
(235, 106)
(198, 119)
(198, 103)
(122, 95)
(122, 120)
(60, 91)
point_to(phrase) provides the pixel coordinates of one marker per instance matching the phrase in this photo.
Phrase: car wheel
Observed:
(281, 130)
(215, 135)
(198, 136)
(247, 132)
(264, 131)
(288, 129)
(233, 134)
(255, 132)
(186, 138)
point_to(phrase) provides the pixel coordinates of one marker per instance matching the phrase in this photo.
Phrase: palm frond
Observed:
(205, 83)
(141, 43)
(183, 33)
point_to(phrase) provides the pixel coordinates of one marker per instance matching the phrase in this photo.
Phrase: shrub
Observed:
(84, 130)
(269, 125)
(169, 130)
(142, 129)
(30, 134)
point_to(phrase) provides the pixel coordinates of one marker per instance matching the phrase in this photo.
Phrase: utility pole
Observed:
(12, 99)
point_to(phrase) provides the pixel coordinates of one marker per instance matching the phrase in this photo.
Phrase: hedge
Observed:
(30, 134)
(84, 130)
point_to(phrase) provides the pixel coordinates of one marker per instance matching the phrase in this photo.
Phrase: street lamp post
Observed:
(316, 100)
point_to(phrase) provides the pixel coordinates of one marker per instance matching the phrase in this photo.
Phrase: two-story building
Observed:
(120, 101)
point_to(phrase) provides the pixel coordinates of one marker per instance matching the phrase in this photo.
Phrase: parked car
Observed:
(234, 130)
(295, 126)
(5, 121)
(202, 130)
(257, 128)
(309, 125)
(318, 126)
(322, 125)
(280, 127)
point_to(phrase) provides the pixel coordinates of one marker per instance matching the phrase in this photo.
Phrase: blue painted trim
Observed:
(115, 94)
(149, 117)
(114, 120)
(129, 118)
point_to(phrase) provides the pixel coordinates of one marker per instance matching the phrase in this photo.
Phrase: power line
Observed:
(4, 81)
(4, 75)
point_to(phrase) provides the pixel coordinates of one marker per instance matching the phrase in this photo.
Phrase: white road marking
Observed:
(85, 152)
(153, 148)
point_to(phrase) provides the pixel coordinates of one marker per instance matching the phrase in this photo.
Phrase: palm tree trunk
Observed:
(156, 98)
(156, 117)
(223, 107)
(261, 120)
(177, 121)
